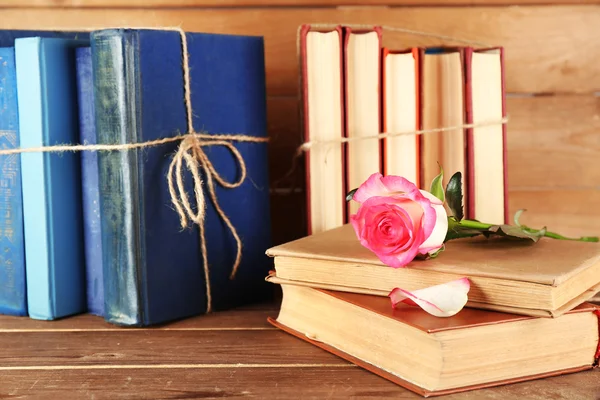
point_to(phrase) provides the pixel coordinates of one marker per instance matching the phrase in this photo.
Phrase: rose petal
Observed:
(436, 239)
(378, 185)
(444, 300)
(402, 251)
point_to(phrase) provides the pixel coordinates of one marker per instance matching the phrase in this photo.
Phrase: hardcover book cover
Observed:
(47, 102)
(326, 335)
(493, 157)
(13, 294)
(153, 269)
(89, 184)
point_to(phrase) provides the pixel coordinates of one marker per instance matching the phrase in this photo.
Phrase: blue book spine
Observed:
(115, 101)
(92, 233)
(13, 294)
(153, 269)
(47, 100)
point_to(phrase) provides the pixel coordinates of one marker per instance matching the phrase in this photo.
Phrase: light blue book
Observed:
(51, 182)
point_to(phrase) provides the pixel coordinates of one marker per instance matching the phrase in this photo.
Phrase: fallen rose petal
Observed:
(444, 300)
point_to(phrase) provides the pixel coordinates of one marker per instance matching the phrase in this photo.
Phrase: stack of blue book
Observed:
(95, 231)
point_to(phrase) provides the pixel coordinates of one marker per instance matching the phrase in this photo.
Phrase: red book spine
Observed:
(470, 178)
(597, 355)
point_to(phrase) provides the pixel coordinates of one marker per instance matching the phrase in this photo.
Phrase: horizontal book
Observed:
(435, 356)
(546, 278)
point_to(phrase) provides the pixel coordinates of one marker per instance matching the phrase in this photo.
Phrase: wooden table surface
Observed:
(233, 354)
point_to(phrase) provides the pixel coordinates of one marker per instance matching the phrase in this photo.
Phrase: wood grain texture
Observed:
(272, 383)
(341, 382)
(178, 364)
(157, 347)
(569, 212)
(554, 142)
(270, 3)
(547, 48)
(230, 320)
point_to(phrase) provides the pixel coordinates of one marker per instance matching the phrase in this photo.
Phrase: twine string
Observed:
(307, 145)
(190, 152)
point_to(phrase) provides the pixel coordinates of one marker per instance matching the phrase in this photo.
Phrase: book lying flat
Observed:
(434, 356)
(546, 278)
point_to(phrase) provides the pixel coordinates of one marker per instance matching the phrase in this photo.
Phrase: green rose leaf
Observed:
(350, 194)
(518, 232)
(436, 186)
(518, 215)
(454, 196)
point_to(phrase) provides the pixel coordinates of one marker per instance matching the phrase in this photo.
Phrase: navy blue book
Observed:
(153, 269)
(92, 234)
(13, 288)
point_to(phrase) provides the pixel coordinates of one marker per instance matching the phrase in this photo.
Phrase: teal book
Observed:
(13, 295)
(153, 270)
(51, 182)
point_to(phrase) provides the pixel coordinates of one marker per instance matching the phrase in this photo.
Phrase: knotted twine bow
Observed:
(191, 151)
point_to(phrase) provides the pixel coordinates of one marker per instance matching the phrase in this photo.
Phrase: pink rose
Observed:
(397, 221)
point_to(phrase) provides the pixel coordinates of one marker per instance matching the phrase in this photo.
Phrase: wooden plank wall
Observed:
(552, 71)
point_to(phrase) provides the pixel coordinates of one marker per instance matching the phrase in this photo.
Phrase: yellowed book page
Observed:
(488, 146)
(363, 109)
(443, 107)
(401, 116)
(325, 124)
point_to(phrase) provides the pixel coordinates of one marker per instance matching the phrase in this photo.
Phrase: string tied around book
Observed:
(191, 152)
